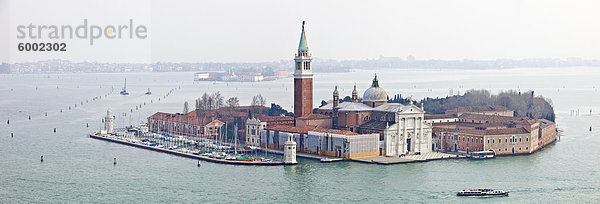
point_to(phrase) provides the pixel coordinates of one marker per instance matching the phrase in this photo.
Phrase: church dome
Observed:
(375, 93)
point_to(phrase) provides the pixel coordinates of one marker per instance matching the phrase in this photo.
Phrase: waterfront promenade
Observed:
(429, 156)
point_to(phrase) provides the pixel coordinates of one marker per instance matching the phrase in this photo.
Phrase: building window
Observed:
(499, 140)
(527, 139)
(519, 139)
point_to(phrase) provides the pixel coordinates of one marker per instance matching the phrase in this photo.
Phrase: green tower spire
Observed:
(303, 44)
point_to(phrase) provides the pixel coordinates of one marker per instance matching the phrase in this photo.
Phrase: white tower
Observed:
(108, 122)
(289, 151)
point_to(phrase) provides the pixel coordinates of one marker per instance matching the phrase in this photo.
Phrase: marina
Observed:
(187, 154)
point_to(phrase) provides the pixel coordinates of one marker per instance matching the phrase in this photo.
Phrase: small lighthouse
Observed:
(289, 152)
(108, 122)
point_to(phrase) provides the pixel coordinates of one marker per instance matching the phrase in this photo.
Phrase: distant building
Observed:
(505, 135)
(229, 76)
(200, 76)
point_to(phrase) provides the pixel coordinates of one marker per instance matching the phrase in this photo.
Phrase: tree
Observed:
(276, 110)
(217, 100)
(323, 103)
(524, 104)
(233, 102)
(186, 109)
(258, 100)
(347, 99)
(210, 103)
(204, 102)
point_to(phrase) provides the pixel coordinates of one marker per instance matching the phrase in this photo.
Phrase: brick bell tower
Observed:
(303, 79)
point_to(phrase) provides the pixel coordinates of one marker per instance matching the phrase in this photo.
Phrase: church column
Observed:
(421, 133)
(404, 123)
(397, 141)
(415, 140)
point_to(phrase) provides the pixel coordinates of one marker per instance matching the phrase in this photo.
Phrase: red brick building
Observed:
(303, 79)
(209, 123)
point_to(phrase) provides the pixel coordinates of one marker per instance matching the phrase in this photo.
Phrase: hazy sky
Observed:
(254, 31)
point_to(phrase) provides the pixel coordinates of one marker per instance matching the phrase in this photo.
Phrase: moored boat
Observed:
(483, 155)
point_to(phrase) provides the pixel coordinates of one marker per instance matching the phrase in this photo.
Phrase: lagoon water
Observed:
(79, 169)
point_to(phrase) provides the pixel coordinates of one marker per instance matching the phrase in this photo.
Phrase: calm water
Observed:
(77, 168)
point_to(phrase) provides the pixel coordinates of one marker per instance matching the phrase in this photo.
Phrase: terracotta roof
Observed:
(376, 124)
(477, 109)
(440, 116)
(180, 118)
(494, 118)
(305, 129)
(503, 131)
(242, 108)
(266, 118)
(334, 131)
(545, 123)
(313, 116)
(347, 106)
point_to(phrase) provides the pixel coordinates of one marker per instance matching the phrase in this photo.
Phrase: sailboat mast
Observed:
(235, 141)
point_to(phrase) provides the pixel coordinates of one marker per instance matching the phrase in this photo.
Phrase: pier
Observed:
(96, 135)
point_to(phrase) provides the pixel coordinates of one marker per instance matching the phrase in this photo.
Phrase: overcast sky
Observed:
(255, 31)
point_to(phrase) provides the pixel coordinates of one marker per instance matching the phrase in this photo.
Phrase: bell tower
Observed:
(336, 97)
(303, 79)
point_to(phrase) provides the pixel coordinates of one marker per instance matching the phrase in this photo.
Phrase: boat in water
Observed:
(124, 91)
(148, 92)
(482, 192)
(483, 155)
